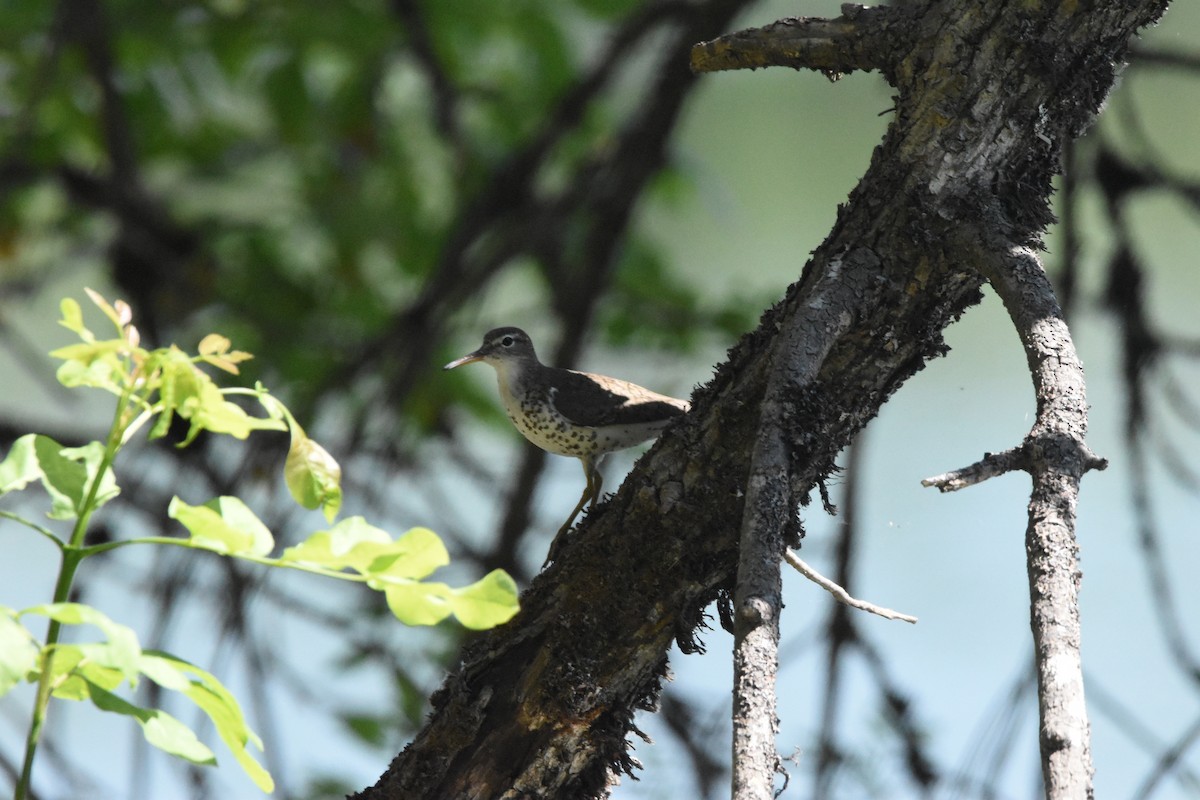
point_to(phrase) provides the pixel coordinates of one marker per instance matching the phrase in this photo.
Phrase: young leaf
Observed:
(312, 475)
(415, 603)
(90, 364)
(72, 319)
(488, 602)
(209, 410)
(415, 554)
(355, 544)
(120, 652)
(120, 315)
(224, 525)
(214, 344)
(214, 700)
(160, 728)
(214, 349)
(18, 651)
(66, 472)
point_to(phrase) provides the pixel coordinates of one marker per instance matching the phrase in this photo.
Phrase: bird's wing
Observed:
(597, 400)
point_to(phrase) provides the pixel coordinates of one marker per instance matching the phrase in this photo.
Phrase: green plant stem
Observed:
(314, 569)
(46, 532)
(72, 554)
(62, 590)
(111, 446)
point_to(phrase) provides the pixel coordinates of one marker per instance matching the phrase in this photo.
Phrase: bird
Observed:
(571, 413)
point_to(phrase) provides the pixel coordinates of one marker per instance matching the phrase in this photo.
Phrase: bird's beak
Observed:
(467, 359)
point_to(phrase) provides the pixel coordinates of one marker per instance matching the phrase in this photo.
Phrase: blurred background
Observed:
(356, 192)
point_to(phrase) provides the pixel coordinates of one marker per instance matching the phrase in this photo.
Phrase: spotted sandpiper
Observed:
(571, 413)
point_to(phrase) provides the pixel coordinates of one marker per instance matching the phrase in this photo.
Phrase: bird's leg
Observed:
(597, 479)
(591, 491)
(590, 473)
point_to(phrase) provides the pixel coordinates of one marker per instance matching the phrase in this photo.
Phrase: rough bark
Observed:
(768, 510)
(1056, 456)
(988, 93)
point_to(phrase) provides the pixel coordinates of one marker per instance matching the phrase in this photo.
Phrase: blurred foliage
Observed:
(311, 165)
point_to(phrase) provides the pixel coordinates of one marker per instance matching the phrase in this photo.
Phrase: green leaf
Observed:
(18, 651)
(91, 364)
(415, 554)
(488, 602)
(93, 670)
(60, 672)
(352, 543)
(178, 379)
(72, 319)
(224, 525)
(20, 467)
(91, 456)
(66, 472)
(209, 410)
(415, 603)
(313, 476)
(394, 568)
(355, 544)
(160, 728)
(189, 392)
(120, 652)
(217, 702)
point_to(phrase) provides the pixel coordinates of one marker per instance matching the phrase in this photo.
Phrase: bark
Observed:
(988, 94)
(768, 509)
(1055, 455)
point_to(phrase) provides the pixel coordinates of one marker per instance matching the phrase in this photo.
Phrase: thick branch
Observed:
(863, 38)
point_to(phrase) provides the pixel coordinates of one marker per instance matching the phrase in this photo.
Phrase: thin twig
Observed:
(840, 594)
(990, 466)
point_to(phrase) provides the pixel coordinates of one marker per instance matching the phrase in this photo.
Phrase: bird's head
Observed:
(501, 347)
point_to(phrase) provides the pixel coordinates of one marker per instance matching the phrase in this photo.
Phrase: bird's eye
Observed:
(507, 341)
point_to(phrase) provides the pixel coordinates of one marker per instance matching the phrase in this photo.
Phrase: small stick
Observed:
(840, 594)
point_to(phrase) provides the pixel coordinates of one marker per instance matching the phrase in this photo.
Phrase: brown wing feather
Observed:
(597, 400)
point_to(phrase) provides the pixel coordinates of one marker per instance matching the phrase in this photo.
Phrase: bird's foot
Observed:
(557, 545)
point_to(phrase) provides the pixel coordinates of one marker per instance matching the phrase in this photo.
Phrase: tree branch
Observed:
(863, 38)
(810, 331)
(992, 465)
(1056, 456)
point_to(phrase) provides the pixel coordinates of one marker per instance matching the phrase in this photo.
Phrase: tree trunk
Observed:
(988, 94)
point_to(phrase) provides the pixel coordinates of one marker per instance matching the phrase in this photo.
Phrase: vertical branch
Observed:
(758, 602)
(1057, 460)
(1056, 456)
(808, 333)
